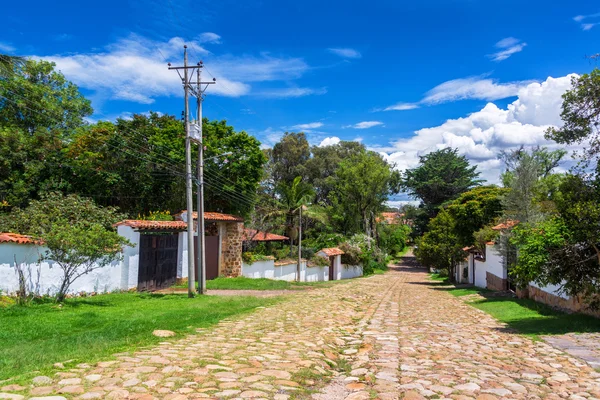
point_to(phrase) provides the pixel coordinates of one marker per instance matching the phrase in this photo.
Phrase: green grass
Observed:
(243, 283)
(34, 337)
(529, 317)
(438, 277)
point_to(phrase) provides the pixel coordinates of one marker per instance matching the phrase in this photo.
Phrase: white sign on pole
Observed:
(196, 132)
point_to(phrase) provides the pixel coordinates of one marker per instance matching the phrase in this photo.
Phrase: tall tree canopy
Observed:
(137, 164)
(39, 111)
(289, 157)
(362, 185)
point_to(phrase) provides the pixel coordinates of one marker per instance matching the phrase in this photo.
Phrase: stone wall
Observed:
(496, 283)
(231, 246)
(571, 304)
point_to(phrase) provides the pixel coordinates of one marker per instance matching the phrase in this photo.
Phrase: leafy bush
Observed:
(308, 253)
(251, 258)
(319, 261)
(157, 216)
(393, 238)
(324, 240)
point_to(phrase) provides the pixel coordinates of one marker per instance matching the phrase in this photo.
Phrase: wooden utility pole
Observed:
(187, 88)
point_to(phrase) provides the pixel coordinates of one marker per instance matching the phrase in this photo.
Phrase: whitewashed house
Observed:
(488, 270)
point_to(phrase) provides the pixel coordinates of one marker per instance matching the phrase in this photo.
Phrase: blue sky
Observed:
(403, 77)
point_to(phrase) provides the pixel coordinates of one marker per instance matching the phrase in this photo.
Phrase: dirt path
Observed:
(389, 336)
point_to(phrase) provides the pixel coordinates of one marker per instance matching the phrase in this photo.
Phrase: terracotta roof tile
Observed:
(154, 225)
(390, 217)
(505, 225)
(7, 237)
(332, 251)
(213, 216)
(258, 236)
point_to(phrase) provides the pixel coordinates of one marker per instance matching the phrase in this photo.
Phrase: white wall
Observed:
(284, 272)
(552, 289)
(130, 263)
(493, 261)
(350, 271)
(259, 269)
(46, 277)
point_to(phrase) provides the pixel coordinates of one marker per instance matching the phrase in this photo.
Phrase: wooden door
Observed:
(331, 269)
(157, 267)
(212, 257)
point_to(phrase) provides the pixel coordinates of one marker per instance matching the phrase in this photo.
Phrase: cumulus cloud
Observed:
(209, 37)
(508, 46)
(345, 52)
(364, 125)
(328, 141)
(473, 87)
(134, 69)
(481, 135)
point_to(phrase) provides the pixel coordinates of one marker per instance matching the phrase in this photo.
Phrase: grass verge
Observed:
(529, 317)
(243, 283)
(34, 337)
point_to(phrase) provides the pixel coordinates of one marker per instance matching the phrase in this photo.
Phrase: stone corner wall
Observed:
(496, 283)
(573, 304)
(231, 250)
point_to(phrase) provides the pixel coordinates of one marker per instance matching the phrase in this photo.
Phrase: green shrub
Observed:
(319, 261)
(251, 258)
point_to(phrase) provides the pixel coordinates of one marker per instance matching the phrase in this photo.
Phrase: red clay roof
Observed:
(390, 217)
(332, 251)
(154, 225)
(7, 237)
(214, 216)
(259, 236)
(505, 225)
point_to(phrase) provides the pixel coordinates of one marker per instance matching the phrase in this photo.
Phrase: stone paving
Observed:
(585, 346)
(384, 337)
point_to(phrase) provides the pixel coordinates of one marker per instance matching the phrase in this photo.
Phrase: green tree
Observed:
(321, 167)
(9, 63)
(441, 176)
(138, 165)
(39, 111)
(77, 234)
(581, 115)
(440, 246)
(288, 158)
(475, 209)
(363, 183)
(42, 99)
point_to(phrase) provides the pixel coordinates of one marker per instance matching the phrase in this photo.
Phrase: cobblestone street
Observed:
(388, 336)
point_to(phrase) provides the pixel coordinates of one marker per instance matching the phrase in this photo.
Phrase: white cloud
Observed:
(134, 69)
(473, 87)
(588, 25)
(402, 107)
(6, 47)
(306, 127)
(508, 46)
(345, 52)
(209, 37)
(328, 141)
(481, 135)
(364, 125)
(291, 92)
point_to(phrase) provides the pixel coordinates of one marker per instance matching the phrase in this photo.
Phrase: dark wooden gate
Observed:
(212, 257)
(158, 261)
(331, 277)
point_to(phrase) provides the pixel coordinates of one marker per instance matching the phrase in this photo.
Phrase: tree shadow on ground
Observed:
(525, 316)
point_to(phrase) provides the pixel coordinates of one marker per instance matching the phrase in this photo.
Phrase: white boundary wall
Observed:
(284, 272)
(45, 277)
(287, 272)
